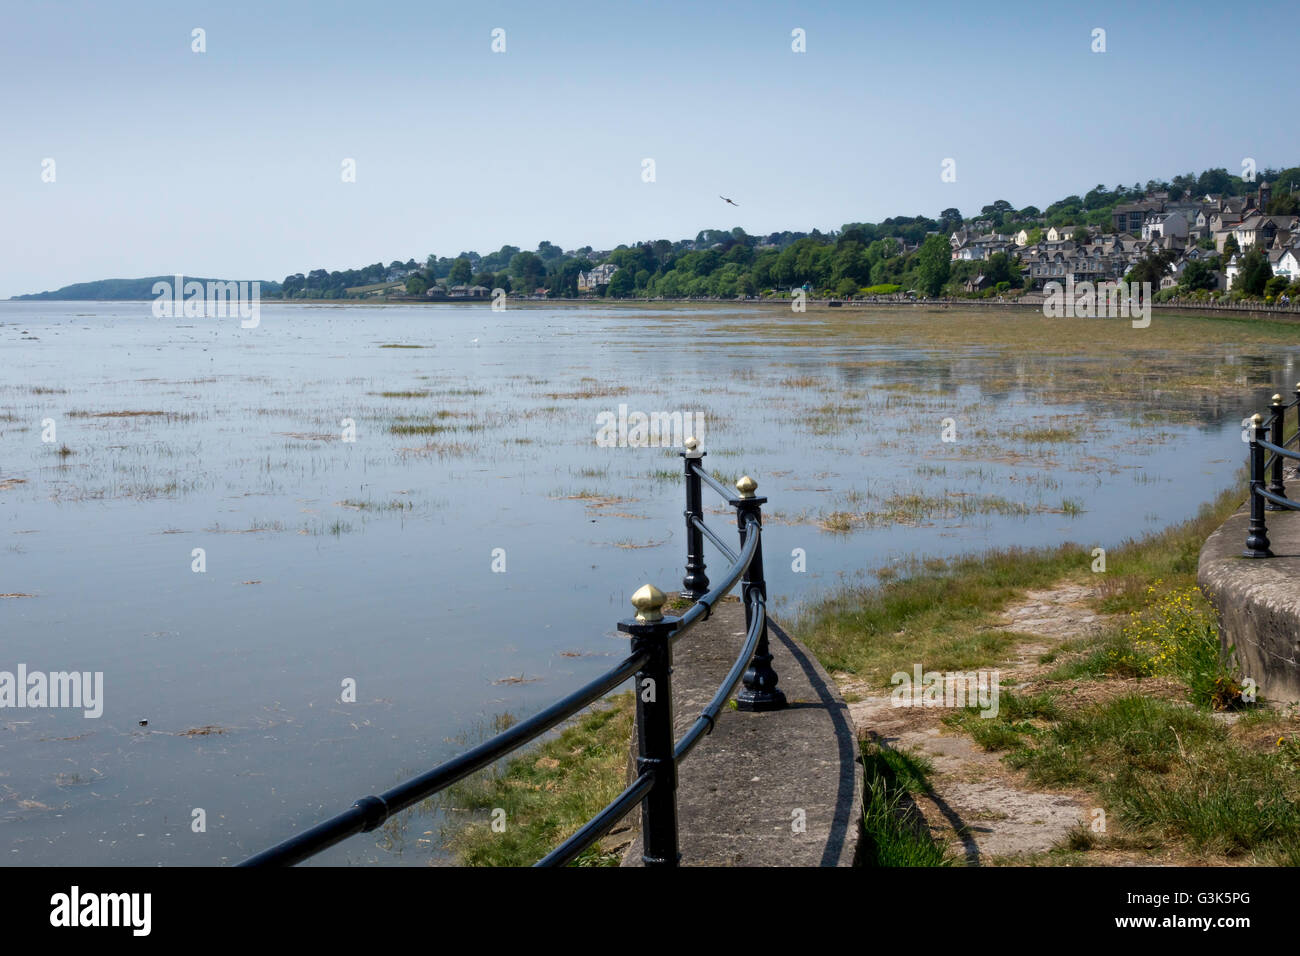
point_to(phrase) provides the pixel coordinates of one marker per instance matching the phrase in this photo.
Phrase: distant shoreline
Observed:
(820, 305)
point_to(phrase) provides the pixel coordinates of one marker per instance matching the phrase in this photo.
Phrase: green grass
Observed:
(894, 833)
(942, 615)
(547, 793)
(1169, 771)
(1018, 716)
(945, 613)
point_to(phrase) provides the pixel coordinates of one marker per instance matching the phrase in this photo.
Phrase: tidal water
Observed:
(235, 526)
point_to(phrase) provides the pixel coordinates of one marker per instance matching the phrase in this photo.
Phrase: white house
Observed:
(1159, 224)
(1061, 233)
(600, 275)
(1286, 264)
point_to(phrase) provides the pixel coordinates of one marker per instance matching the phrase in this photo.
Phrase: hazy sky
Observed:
(228, 163)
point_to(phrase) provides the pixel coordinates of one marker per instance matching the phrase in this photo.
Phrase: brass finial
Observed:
(1277, 399)
(693, 447)
(746, 486)
(1257, 419)
(648, 600)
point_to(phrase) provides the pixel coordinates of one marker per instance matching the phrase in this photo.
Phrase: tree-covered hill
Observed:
(126, 289)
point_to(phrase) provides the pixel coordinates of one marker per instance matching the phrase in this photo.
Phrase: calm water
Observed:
(372, 559)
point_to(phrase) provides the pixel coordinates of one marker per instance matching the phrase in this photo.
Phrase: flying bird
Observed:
(725, 199)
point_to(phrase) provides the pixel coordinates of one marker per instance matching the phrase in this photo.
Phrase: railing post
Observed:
(760, 691)
(1276, 485)
(650, 632)
(1257, 534)
(696, 584)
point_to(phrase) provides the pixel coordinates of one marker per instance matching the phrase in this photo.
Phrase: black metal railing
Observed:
(1269, 435)
(650, 662)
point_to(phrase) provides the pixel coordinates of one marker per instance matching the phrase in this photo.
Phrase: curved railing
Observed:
(650, 661)
(1269, 435)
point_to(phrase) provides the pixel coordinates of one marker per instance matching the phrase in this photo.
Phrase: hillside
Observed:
(125, 289)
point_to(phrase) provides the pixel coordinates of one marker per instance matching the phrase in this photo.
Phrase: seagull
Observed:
(725, 199)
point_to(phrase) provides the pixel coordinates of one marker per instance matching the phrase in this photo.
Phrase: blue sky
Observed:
(227, 163)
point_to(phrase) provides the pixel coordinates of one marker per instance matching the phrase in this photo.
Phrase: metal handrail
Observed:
(652, 638)
(712, 536)
(1286, 503)
(703, 606)
(600, 824)
(370, 812)
(712, 482)
(1278, 450)
(1267, 469)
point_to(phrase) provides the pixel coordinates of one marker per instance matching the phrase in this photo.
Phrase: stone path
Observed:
(978, 805)
(782, 788)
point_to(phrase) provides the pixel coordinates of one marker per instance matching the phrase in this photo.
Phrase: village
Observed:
(1215, 231)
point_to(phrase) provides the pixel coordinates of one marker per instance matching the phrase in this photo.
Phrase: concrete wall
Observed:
(1258, 600)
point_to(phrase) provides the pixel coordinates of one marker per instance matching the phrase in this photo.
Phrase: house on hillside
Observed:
(598, 276)
(1159, 224)
(1285, 262)
(1129, 216)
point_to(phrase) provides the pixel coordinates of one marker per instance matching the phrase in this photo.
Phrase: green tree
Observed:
(461, 271)
(528, 269)
(415, 285)
(933, 263)
(1255, 273)
(1002, 268)
(1198, 275)
(1152, 269)
(1275, 285)
(621, 285)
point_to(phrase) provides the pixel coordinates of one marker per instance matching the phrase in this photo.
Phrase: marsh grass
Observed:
(916, 508)
(1050, 435)
(438, 427)
(442, 450)
(395, 504)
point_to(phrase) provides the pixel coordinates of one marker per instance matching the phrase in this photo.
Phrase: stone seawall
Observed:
(1258, 600)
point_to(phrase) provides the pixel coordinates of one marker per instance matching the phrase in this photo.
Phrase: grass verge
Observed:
(894, 831)
(1135, 716)
(547, 793)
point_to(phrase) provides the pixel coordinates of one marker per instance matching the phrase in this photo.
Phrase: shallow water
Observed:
(372, 559)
